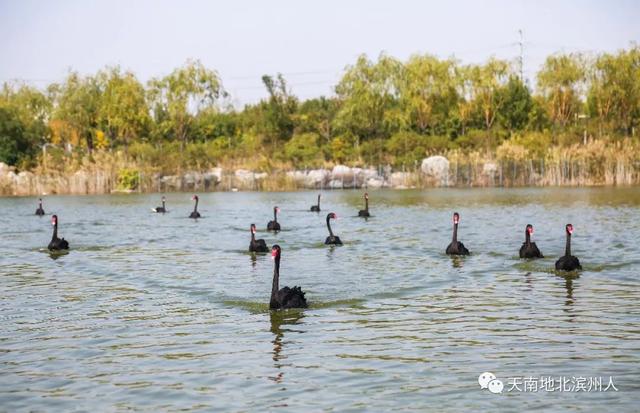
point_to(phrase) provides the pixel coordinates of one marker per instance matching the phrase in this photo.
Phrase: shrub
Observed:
(128, 179)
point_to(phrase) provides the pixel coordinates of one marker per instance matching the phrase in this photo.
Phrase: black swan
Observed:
(568, 262)
(529, 249)
(195, 213)
(257, 245)
(161, 209)
(285, 297)
(57, 243)
(365, 212)
(456, 247)
(40, 211)
(332, 239)
(274, 225)
(316, 208)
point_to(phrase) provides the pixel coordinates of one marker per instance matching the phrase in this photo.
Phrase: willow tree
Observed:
(181, 94)
(123, 112)
(278, 110)
(77, 104)
(368, 98)
(485, 83)
(427, 91)
(560, 82)
(614, 92)
(23, 115)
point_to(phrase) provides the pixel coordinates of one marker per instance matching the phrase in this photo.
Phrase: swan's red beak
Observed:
(530, 229)
(570, 229)
(53, 221)
(456, 218)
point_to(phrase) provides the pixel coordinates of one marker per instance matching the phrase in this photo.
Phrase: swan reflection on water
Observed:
(278, 320)
(457, 261)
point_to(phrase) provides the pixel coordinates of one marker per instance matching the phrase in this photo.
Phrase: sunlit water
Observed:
(152, 312)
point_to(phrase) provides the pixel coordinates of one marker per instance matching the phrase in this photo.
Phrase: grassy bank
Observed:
(513, 163)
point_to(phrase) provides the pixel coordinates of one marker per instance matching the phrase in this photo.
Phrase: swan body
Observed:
(456, 247)
(195, 213)
(568, 262)
(316, 208)
(161, 209)
(332, 239)
(40, 210)
(529, 249)
(284, 297)
(56, 243)
(274, 225)
(365, 212)
(257, 245)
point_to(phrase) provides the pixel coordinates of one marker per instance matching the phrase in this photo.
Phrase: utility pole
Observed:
(521, 59)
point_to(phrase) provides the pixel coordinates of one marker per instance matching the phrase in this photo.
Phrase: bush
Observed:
(128, 179)
(303, 150)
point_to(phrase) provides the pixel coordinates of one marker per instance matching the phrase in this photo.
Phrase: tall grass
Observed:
(514, 163)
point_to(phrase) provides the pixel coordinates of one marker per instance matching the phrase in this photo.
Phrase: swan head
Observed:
(275, 252)
(530, 228)
(276, 209)
(569, 229)
(54, 220)
(366, 195)
(456, 218)
(194, 198)
(332, 215)
(253, 228)
(163, 198)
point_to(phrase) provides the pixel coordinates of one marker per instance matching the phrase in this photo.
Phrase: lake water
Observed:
(152, 312)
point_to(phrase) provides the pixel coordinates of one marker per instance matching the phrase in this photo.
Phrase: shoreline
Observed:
(433, 172)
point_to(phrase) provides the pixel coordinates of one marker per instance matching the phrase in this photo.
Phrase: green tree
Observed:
(77, 103)
(316, 115)
(427, 91)
(369, 99)
(560, 81)
(303, 150)
(123, 111)
(25, 117)
(278, 110)
(614, 92)
(485, 83)
(176, 97)
(516, 104)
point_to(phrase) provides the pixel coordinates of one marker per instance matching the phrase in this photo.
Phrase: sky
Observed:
(309, 42)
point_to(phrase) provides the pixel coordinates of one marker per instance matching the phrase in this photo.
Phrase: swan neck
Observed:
(318, 201)
(567, 250)
(275, 215)
(366, 204)
(195, 207)
(455, 232)
(527, 237)
(276, 278)
(55, 231)
(329, 226)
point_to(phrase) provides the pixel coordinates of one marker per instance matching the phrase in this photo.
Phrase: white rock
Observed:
(437, 168)
(340, 172)
(489, 168)
(375, 183)
(399, 179)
